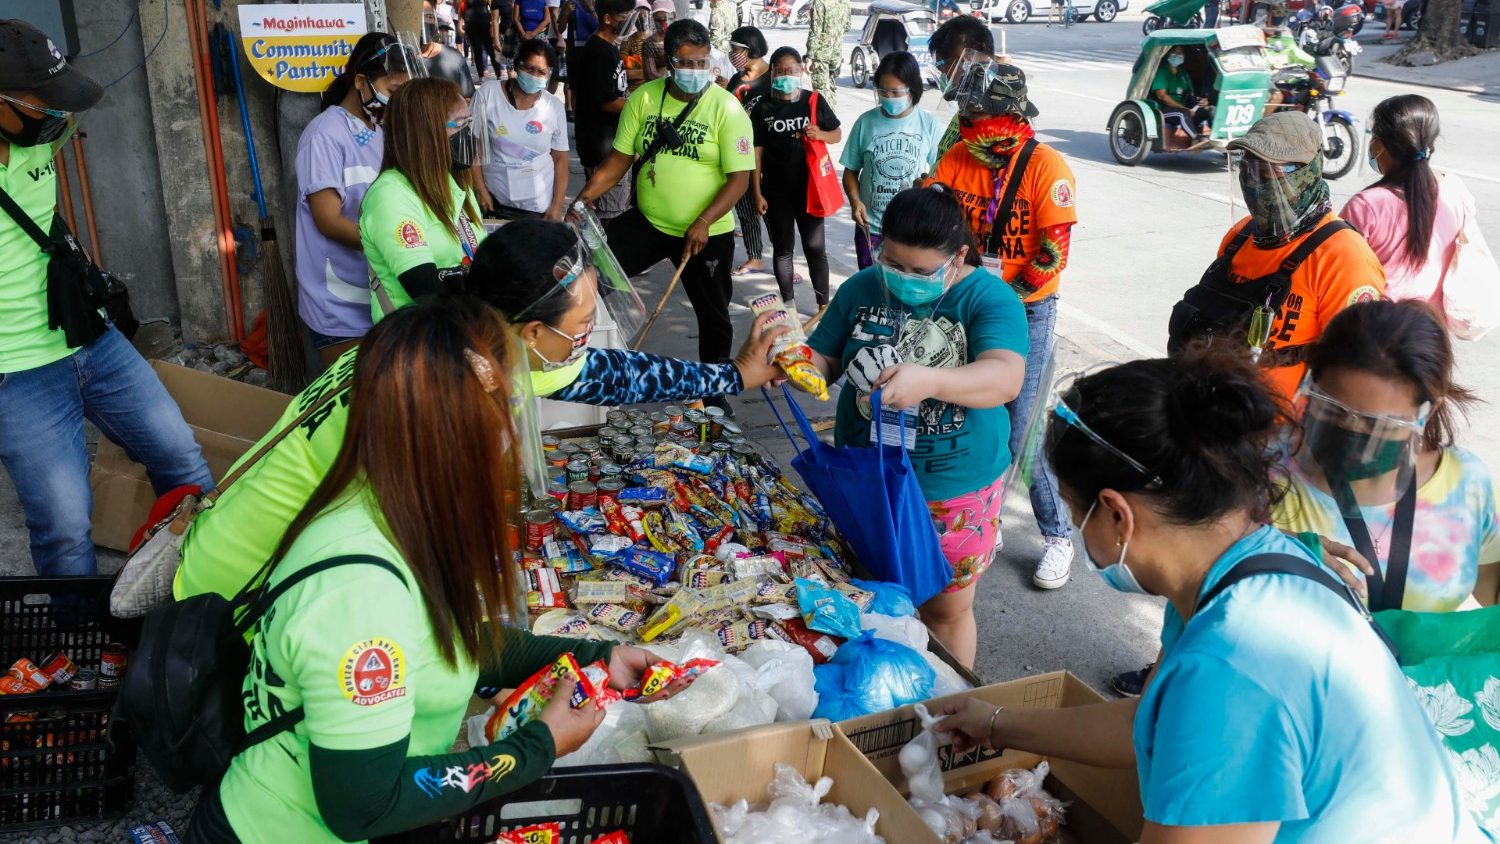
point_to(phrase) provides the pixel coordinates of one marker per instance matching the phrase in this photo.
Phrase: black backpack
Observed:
(182, 696)
(1217, 307)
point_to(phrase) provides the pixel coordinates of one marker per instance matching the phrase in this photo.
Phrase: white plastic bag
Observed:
(620, 739)
(907, 630)
(791, 668)
(795, 815)
(710, 698)
(1471, 286)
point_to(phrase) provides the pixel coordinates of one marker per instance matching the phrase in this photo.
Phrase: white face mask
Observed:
(1119, 577)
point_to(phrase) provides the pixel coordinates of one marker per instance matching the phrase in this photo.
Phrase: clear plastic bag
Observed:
(890, 598)
(789, 670)
(620, 739)
(795, 815)
(876, 675)
(906, 630)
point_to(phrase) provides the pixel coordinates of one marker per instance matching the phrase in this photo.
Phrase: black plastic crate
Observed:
(653, 804)
(60, 758)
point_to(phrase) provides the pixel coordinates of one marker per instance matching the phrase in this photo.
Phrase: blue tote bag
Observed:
(872, 496)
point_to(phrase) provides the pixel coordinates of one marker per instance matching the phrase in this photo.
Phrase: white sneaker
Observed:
(1056, 565)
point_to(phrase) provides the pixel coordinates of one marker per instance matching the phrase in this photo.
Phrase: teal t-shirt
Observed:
(890, 156)
(958, 449)
(1278, 702)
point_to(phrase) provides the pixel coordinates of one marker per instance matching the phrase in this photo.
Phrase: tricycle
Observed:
(892, 25)
(1173, 14)
(1228, 69)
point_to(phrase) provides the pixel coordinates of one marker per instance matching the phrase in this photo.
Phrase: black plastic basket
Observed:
(653, 804)
(60, 759)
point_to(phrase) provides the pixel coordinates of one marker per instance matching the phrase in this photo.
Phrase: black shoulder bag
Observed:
(1014, 173)
(667, 135)
(77, 289)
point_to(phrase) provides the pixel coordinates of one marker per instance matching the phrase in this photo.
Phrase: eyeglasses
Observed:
(50, 112)
(1071, 418)
(690, 64)
(1330, 409)
(893, 92)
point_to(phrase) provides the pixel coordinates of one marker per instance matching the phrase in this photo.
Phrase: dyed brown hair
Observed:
(1404, 341)
(416, 142)
(437, 450)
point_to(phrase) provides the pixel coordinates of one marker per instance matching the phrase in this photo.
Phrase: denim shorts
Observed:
(323, 341)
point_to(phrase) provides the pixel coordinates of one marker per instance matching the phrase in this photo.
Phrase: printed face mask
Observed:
(786, 84)
(1118, 577)
(374, 105)
(692, 80)
(1284, 200)
(895, 105)
(531, 84)
(580, 348)
(992, 140)
(739, 59)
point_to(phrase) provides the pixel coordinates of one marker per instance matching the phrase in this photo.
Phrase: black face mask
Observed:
(35, 130)
(462, 146)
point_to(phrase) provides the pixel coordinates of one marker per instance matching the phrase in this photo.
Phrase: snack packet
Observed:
(527, 701)
(544, 590)
(660, 674)
(616, 837)
(791, 351)
(542, 833)
(827, 610)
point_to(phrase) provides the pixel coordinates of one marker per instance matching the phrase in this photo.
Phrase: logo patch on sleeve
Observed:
(1062, 194)
(1365, 293)
(373, 671)
(742, 146)
(410, 235)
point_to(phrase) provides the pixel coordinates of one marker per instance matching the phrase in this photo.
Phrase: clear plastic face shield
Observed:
(967, 79)
(591, 276)
(1350, 445)
(1274, 193)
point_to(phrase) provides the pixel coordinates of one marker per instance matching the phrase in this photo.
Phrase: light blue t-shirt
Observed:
(890, 155)
(958, 449)
(1278, 702)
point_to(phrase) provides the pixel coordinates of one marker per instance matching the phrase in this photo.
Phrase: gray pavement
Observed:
(1145, 234)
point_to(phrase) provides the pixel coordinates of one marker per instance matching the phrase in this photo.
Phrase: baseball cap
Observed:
(30, 62)
(1283, 137)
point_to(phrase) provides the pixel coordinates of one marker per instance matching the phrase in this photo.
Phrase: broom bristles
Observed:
(283, 329)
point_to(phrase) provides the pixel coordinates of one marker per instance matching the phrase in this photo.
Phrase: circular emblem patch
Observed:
(1365, 293)
(372, 671)
(1062, 194)
(410, 235)
(533, 127)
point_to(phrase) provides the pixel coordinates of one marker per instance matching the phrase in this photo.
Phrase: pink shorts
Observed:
(967, 527)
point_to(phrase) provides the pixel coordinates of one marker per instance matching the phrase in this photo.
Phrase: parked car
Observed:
(1019, 11)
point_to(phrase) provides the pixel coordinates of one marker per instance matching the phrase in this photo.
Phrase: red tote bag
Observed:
(825, 196)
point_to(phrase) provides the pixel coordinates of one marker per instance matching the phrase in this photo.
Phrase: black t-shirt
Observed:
(450, 64)
(778, 127)
(598, 76)
(749, 93)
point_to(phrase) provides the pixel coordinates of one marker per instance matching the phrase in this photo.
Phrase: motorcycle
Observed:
(785, 12)
(1348, 16)
(1311, 91)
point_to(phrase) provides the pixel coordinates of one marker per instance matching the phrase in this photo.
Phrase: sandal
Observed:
(745, 269)
(1389, 36)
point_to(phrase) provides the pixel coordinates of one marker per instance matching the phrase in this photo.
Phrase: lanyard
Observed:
(1386, 590)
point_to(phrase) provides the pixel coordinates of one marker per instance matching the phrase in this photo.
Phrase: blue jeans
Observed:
(42, 446)
(1050, 510)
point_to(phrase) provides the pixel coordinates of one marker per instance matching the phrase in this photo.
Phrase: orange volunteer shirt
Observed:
(1341, 272)
(1046, 198)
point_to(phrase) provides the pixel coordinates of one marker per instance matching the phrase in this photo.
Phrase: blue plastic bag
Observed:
(870, 675)
(872, 495)
(827, 610)
(890, 598)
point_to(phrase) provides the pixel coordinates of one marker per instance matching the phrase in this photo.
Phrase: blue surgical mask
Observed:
(1174, 61)
(895, 105)
(1118, 577)
(1375, 164)
(916, 289)
(692, 80)
(786, 84)
(531, 84)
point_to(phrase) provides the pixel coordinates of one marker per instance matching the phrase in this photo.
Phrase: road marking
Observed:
(1141, 348)
(1216, 197)
(1067, 93)
(1467, 175)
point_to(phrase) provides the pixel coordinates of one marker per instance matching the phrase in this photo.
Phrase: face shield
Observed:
(1352, 445)
(619, 310)
(984, 86)
(1281, 197)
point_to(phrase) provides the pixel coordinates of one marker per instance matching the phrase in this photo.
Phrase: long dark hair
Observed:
(416, 142)
(361, 63)
(929, 218)
(1404, 341)
(512, 271)
(1203, 423)
(431, 436)
(1407, 126)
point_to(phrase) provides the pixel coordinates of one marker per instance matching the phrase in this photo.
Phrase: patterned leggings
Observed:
(749, 219)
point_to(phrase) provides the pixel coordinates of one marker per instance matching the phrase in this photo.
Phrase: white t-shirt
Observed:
(719, 62)
(519, 170)
(445, 17)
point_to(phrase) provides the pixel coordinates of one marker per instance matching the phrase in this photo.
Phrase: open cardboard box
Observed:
(1105, 803)
(226, 416)
(738, 765)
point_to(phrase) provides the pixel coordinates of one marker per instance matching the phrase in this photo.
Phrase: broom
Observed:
(284, 336)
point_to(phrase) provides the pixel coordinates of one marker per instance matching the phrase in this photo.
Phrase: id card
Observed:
(897, 428)
(992, 263)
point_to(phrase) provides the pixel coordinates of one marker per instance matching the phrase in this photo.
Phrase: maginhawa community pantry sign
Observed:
(300, 47)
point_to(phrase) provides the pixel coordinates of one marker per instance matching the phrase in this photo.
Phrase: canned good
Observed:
(550, 504)
(109, 683)
(557, 491)
(112, 660)
(611, 470)
(582, 494)
(550, 442)
(624, 448)
(540, 524)
(607, 435)
(589, 446)
(744, 454)
(28, 676)
(59, 667)
(682, 430)
(578, 470)
(659, 421)
(730, 428)
(641, 432)
(635, 415)
(721, 448)
(617, 417)
(569, 448)
(610, 487)
(674, 413)
(556, 459)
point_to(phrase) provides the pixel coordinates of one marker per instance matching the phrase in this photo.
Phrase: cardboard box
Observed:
(739, 765)
(226, 416)
(1105, 802)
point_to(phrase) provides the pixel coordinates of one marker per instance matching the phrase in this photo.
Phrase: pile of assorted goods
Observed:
(1011, 807)
(59, 672)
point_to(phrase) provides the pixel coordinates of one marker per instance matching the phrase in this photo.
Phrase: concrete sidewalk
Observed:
(1475, 75)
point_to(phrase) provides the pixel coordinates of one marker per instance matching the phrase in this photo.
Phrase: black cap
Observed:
(31, 63)
(993, 88)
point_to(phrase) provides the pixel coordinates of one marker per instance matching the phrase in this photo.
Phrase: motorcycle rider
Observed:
(1282, 53)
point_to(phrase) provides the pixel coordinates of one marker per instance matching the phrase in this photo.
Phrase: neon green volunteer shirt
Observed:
(26, 341)
(231, 541)
(398, 232)
(718, 142)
